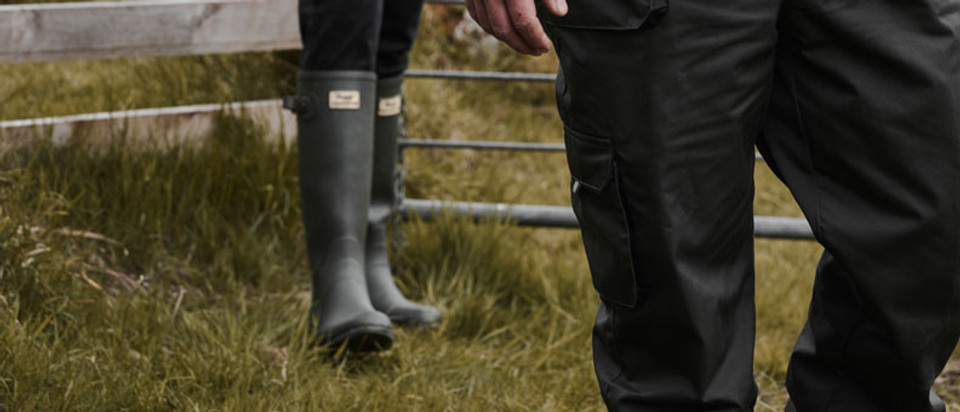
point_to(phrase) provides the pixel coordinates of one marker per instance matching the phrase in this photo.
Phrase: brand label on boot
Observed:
(345, 100)
(389, 106)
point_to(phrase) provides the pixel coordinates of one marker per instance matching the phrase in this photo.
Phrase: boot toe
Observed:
(414, 315)
(369, 332)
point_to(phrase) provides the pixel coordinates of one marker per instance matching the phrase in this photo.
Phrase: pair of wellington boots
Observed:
(348, 123)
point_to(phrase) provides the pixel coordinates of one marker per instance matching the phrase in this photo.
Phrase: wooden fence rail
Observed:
(49, 32)
(103, 30)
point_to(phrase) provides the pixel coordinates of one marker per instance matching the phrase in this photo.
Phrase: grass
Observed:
(62, 88)
(177, 280)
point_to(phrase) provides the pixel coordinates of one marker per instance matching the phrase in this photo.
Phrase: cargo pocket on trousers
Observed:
(599, 205)
(607, 14)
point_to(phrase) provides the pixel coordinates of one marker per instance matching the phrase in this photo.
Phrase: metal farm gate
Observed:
(539, 215)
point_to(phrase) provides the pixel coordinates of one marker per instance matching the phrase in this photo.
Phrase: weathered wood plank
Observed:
(154, 126)
(102, 30)
(48, 32)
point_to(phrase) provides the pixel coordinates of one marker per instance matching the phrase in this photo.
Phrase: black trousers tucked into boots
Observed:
(364, 35)
(855, 104)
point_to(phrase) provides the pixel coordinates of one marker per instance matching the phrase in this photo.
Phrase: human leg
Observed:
(400, 20)
(336, 106)
(340, 34)
(383, 292)
(659, 124)
(863, 128)
(335, 146)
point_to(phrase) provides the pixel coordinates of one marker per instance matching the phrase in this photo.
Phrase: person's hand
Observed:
(515, 22)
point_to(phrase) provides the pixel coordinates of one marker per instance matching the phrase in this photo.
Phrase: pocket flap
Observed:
(605, 14)
(590, 159)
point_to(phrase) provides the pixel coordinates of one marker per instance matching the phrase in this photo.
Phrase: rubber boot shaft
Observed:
(335, 122)
(383, 198)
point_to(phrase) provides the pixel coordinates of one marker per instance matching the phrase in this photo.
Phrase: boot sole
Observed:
(430, 318)
(362, 339)
(416, 323)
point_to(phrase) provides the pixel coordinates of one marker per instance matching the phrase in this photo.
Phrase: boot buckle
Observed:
(292, 103)
(302, 105)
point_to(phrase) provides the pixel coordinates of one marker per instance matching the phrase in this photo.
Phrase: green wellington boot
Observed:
(383, 292)
(335, 116)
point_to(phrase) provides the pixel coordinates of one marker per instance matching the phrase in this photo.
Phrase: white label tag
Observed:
(389, 106)
(345, 100)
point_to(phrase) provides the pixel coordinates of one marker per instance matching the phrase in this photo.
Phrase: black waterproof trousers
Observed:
(856, 106)
(365, 35)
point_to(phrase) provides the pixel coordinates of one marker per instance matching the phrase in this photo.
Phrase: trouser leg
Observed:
(659, 125)
(340, 34)
(366, 35)
(400, 21)
(863, 128)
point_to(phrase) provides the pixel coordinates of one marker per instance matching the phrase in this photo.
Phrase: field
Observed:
(138, 279)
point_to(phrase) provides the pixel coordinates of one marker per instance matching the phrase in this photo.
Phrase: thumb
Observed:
(557, 7)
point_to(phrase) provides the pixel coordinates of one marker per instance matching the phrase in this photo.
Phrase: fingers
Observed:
(513, 22)
(523, 16)
(471, 8)
(557, 7)
(475, 8)
(502, 26)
